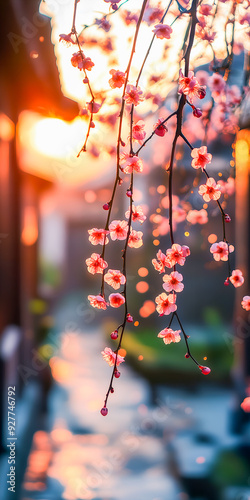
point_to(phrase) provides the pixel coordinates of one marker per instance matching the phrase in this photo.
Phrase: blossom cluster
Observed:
(137, 111)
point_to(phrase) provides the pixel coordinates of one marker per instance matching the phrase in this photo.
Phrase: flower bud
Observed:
(202, 92)
(104, 411)
(114, 335)
(106, 206)
(197, 112)
(205, 370)
(129, 318)
(227, 218)
(117, 374)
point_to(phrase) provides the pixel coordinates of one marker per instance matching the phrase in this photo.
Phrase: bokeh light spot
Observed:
(155, 233)
(147, 309)
(212, 238)
(90, 196)
(143, 271)
(34, 54)
(161, 189)
(142, 287)
(122, 352)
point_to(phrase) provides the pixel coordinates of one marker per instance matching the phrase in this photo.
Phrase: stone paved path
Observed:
(83, 455)
(126, 455)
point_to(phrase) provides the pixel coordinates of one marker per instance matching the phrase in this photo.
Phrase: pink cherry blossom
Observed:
(97, 301)
(114, 278)
(156, 99)
(236, 278)
(96, 264)
(200, 157)
(179, 214)
(117, 78)
(133, 164)
(201, 25)
(160, 128)
(168, 335)
(116, 299)
(202, 77)
(162, 31)
(189, 85)
(160, 262)
(233, 96)
(129, 17)
(98, 236)
(210, 190)
(103, 23)
(246, 302)
(81, 62)
(227, 187)
(245, 405)
(245, 18)
(93, 107)
(135, 239)
(165, 201)
(216, 84)
(185, 251)
(118, 229)
(110, 356)
(177, 254)
(138, 132)
(137, 214)
(152, 14)
(205, 9)
(165, 303)
(220, 250)
(67, 39)
(172, 282)
(133, 95)
(197, 216)
(205, 34)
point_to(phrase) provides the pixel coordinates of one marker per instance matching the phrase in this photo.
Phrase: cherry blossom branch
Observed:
(104, 16)
(74, 32)
(124, 272)
(150, 45)
(139, 76)
(186, 337)
(154, 132)
(179, 114)
(223, 214)
(119, 139)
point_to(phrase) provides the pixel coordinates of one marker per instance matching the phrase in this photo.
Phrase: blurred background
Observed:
(171, 434)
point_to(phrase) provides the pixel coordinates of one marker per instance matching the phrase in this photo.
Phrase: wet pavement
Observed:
(79, 454)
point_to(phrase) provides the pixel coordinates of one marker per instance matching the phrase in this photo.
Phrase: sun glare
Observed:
(50, 136)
